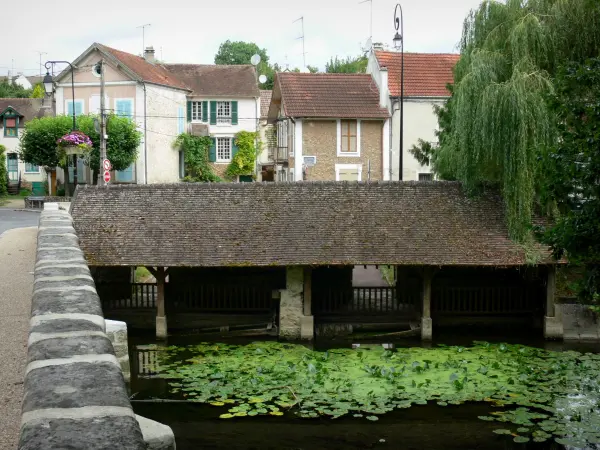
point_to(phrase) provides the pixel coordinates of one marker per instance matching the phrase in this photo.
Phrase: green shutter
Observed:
(213, 113)
(189, 111)
(234, 112)
(234, 148)
(212, 151)
(204, 111)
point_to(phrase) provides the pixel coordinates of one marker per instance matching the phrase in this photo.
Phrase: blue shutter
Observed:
(212, 152)
(189, 111)
(213, 113)
(69, 108)
(125, 176)
(204, 111)
(234, 148)
(78, 108)
(180, 120)
(125, 108)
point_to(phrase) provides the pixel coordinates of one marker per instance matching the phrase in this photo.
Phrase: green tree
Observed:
(13, 90)
(38, 91)
(3, 177)
(357, 64)
(499, 125)
(239, 52)
(243, 163)
(38, 142)
(573, 169)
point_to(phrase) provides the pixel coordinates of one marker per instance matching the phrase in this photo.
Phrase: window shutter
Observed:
(234, 148)
(212, 151)
(69, 108)
(78, 109)
(189, 111)
(213, 113)
(234, 112)
(180, 124)
(205, 111)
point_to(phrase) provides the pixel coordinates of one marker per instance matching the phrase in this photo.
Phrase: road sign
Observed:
(106, 176)
(106, 164)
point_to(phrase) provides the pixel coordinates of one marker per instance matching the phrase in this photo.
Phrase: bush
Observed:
(3, 174)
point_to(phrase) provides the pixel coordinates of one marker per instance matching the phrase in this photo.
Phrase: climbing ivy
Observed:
(195, 151)
(244, 160)
(3, 177)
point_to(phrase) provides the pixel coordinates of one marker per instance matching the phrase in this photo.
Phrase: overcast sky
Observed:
(190, 31)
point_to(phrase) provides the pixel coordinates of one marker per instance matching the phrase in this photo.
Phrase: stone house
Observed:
(266, 165)
(330, 127)
(14, 114)
(164, 100)
(426, 76)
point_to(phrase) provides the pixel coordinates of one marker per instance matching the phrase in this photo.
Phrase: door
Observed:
(12, 166)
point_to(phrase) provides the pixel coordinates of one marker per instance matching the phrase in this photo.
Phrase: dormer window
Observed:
(10, 120)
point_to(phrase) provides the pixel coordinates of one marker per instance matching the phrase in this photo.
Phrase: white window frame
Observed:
(340, 153)
(91, 103)
(77, 100)
(291, 139)
(198, 120)
(339, 167)
(223, 160)
(131, 100)
(290, 175)
(32, 171)
(224, 120)
(428, 173)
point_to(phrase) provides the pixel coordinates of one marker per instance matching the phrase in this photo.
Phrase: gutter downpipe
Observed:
(145, 136)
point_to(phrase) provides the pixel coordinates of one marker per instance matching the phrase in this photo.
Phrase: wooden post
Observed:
(307, 321)
(426, 323)
(553, 326)
(308, 291)
(550, 291)
(160, 273)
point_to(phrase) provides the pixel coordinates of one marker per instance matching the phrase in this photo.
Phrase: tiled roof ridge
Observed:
(418, 53)
(207, 65)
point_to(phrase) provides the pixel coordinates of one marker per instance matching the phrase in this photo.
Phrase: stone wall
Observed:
(75, 395)
(291, 307)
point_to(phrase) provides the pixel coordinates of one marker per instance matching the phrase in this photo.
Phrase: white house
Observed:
(223, 100)
(425, 78)
(14, 113)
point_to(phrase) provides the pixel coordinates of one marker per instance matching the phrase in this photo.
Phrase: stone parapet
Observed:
(74, 392)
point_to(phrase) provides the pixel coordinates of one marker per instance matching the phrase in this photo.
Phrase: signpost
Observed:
(106, 167)
(106, 176)
(106, 164)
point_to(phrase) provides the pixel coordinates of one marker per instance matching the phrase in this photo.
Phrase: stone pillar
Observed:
(160, 274)
(307, 322)
(291, 308)
(553, 326)
(117, 333)
(426, 322)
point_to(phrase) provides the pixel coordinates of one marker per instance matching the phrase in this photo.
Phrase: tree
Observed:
(13, 90)
(38, 143)
(573, 169)
(3, 177)
(499, 125)
(195, 154)
(38, 91)
(348, 65)
(239, 52)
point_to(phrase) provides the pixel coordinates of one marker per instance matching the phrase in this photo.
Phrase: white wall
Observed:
(162, 130)
(12, 146)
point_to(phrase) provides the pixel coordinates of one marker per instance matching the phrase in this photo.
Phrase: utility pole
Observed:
(101, 181)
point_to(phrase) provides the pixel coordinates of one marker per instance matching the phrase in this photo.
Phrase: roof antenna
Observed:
(371, 23)
(301, 19)
(143, 27)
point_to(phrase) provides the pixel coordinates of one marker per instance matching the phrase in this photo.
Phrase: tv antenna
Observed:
(41, 53)
(143, 27)
(301, 19)
(371, 23)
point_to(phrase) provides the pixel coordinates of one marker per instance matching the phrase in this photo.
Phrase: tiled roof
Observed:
(218, 80)
(280, 224)
(329, 95)
(29, 108)
(265, 102)
(151, 73)
(425, 74)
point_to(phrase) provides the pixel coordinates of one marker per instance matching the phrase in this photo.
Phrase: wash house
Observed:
(281, 257)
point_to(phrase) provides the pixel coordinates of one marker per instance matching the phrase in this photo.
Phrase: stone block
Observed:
(157, 436)
(291, 308)
(307, 328)
(117, 333)
(553, 327)
(426, 329)
(161, 327)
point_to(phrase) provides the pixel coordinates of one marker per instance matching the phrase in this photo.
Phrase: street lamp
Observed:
(49, 88)
(399, 45)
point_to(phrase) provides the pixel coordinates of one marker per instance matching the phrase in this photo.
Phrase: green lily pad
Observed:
(502, 431)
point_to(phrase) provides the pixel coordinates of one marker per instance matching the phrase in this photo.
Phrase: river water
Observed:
(197, 426)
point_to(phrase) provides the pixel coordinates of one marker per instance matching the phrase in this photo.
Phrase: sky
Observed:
(190, 31)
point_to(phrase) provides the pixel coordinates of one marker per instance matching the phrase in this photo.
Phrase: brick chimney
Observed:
(149, 54)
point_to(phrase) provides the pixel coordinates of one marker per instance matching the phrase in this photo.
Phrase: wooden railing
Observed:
(360, 300)
(216, 298)
(127, 295)
(486, 300)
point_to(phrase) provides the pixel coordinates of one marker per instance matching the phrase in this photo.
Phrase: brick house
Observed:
(330, 127)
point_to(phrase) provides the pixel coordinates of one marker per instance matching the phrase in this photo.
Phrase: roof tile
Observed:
(219, 80)
(265, 102)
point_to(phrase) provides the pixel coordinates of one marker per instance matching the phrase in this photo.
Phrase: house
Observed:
(330, 127)
(426, 76)
(266, 159)
(223, 100)
(14, 114)
(164, 100)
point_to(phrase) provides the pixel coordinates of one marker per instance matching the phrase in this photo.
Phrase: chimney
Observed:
(149, 54)
(384, 92)
(378, 46)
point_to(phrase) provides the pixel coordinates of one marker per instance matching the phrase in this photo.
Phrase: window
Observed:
(78, 107)
(196, 111)
(291, 174)
(348, 172)
(425, 177)
(11, 126)
(349, 136)
(95, 103)
(31, 168)
(124, 107)
(223, 112)
(223, 149)
(127, 175)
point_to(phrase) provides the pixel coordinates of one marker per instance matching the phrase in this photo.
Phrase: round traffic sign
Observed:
(106, 164)
(106, 176)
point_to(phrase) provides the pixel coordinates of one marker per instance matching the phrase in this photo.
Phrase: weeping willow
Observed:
(498, 125)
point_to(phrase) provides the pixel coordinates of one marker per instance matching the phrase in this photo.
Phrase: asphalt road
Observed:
(10, 219)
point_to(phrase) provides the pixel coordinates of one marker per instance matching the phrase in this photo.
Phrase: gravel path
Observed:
(17, 260)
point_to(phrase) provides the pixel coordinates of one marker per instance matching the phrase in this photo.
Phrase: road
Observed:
(10, 219)
(17, 259)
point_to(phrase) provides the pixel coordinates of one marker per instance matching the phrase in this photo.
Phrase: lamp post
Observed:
(49, 88)
(399, 45)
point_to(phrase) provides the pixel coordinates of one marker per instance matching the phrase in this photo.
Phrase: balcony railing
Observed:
(278, 154)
